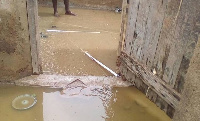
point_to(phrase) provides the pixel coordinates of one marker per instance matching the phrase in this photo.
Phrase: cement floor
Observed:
(61, 52)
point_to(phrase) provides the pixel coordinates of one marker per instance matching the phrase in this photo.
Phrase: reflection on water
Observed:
(95, 103)
(76, 104)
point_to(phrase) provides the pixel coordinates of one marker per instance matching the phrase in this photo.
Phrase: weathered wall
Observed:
(189, 108)
(160, 39)
(96, 4)
(15, 57)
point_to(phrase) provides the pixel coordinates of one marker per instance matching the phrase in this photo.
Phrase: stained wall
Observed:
(189, 108)
(15, 55)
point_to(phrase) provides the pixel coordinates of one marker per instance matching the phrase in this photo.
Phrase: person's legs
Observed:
(55, 7)
(67, 11)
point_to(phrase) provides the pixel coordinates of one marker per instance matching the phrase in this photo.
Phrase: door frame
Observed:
(32, 17)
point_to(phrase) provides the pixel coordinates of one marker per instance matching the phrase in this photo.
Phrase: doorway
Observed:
(65, 39)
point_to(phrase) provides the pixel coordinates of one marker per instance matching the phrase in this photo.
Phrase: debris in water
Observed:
(118, 10)
(24, 102)
(43, 35)
(53, 26)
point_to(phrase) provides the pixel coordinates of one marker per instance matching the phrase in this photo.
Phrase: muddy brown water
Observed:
(94, 103)
(61, 53)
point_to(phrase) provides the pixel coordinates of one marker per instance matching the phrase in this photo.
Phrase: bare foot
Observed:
(56, 14)
(70, 13)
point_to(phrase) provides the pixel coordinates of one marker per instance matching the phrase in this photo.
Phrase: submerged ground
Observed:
(89, 103)
(62, 53)
(95, 31)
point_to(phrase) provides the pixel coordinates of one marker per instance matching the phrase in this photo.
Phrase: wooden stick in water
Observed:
(115, 74)
(73, 31)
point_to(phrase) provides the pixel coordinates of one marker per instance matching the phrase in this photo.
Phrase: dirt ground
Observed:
(94, 31)
(92, 4)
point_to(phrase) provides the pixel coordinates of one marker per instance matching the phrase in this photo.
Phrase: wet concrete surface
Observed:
(80, 103)
(59, 81)
(61, 53)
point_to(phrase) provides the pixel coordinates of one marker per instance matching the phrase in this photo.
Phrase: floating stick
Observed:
(115, 74)
(72, 31)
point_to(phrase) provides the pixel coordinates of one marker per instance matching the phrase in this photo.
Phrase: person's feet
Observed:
(70, 13)
(66, 13)
(56, 14)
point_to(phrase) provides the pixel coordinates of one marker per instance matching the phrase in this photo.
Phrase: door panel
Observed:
(157, 48)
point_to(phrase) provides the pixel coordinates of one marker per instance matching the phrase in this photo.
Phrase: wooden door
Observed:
(156, 48)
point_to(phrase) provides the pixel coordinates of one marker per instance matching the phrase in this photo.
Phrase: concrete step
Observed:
(59, 81)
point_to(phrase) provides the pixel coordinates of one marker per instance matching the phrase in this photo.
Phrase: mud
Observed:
(61, 53)
(99, 103)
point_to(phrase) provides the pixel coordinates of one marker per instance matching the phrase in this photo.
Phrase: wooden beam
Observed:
(155, 83)
(32, 14)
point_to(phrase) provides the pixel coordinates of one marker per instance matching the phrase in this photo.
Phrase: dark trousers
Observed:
(66, 2)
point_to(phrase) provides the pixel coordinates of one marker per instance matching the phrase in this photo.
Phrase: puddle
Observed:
(80, 103)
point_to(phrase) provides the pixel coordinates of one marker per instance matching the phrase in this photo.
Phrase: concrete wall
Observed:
(156, 52)
(96, 4)
(15, 55)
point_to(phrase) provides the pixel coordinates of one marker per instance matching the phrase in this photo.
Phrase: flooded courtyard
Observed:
(80, 103)
(116, 60)
(64, 40)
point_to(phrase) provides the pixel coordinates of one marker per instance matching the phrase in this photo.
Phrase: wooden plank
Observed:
(152, 95)
(170, 49)
(143, 31)
(153, 26)
(131, 28)
(124, 17)
(175, 45)
(32, 13)
(162, 89)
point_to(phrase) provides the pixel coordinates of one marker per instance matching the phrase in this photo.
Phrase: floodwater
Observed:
(94, 31)
(62, 52)
(93, 103)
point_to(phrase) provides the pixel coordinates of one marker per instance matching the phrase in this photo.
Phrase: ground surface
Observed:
(93, 4)
(61, 52)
